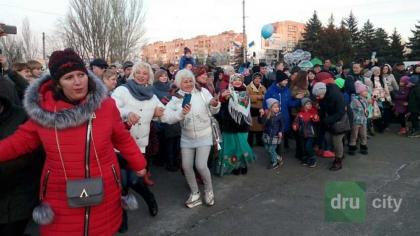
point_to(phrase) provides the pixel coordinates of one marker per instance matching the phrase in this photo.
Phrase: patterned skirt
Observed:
(235, 153)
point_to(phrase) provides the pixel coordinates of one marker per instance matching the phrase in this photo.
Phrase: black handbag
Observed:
(341, 126)
(87, 191)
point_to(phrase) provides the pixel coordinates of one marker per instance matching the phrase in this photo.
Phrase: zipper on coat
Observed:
(44, 184)
(87, 175)
(117, 180)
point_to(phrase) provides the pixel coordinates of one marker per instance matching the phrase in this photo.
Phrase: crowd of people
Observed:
(101, 127)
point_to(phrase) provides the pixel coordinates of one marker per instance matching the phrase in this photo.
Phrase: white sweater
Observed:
(196, 124)
(126, 103)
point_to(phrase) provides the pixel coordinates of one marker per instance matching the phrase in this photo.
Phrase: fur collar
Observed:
(66, 118)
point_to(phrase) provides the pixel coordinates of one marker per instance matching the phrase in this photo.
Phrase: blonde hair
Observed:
(32, 65)
(228, 70)
(143, 66)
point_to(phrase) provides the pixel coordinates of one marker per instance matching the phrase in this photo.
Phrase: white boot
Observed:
(209, 198)
(194, 200)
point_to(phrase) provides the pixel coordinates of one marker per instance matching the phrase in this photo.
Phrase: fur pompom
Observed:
(129, 202)
(43, 214)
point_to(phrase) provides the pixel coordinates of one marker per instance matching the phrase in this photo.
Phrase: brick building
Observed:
(285, 36)
(201, 46)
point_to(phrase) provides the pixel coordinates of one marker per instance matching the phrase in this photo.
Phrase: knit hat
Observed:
(360, 87)
(389, 67)
(280, 76)
(63, 62)
(319, 89)
(182, 74)
(405, 79)
(323, 76)
(128, 64)
(271, 101)
(99, 63)
(340, 82)
(305, 100)
(199, 70)
(159, 73)
(375, 68)
(236, 77)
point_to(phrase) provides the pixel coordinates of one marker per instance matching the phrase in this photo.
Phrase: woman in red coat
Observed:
(59, 106)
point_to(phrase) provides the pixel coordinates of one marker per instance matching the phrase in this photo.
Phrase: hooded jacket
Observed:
(108, 132)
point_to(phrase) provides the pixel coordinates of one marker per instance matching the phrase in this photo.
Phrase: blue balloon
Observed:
(267, 31)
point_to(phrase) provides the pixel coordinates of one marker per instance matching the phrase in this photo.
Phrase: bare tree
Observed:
(127, 29)
(11, 46)
(109, 29)
(30, 44)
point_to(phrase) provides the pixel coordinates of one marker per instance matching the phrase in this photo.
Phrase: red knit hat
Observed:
(63, 62)
(324, 77)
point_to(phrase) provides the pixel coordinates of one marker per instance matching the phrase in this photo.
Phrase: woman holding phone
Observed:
(192, 107)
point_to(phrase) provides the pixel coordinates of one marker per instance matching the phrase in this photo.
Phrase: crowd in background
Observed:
(167, 116)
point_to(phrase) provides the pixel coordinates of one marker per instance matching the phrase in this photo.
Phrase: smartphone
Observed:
(187, 100)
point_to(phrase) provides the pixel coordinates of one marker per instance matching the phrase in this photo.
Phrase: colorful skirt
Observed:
(236, 153)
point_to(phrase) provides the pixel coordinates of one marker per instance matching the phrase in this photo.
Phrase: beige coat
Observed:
(257, 98)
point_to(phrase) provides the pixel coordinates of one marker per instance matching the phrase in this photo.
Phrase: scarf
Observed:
(240, 105)
(139, 92)
(161, 90)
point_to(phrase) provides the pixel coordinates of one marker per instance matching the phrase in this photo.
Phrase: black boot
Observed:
(337, 165)
(364, 149)
(352, 150)
(147, 195)
(236, 171)
(244, 170)
(124, 224)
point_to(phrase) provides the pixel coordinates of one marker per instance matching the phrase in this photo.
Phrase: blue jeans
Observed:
(271, 149)
(309, 150)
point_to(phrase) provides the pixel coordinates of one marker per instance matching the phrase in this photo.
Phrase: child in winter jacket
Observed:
(401, 103)
(304, 124)
(273, 126)
(359, 106)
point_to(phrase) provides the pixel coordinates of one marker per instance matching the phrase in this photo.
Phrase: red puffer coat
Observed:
(108, 132)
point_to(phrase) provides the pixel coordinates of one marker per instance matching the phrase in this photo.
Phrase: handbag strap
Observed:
(89, 136)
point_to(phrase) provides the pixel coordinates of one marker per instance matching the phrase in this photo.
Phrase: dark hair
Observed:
(381, 80)
(300, 81)
(19, 66)
(58, 93)
(389, 69)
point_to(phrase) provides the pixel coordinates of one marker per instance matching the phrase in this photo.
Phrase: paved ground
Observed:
(290, 200)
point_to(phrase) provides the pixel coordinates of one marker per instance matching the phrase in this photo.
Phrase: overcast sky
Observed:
(169, 19)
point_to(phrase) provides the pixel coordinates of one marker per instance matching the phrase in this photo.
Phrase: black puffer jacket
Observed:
(332, 106)
(18, 178)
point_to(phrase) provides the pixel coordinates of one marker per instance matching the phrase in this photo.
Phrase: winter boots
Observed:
(352, 150)
(337, 164)
(363, 149)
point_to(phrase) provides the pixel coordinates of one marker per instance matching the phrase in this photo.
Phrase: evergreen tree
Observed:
(350, 23)
(396, 49)
(367, 40)
(414, 43)
(381, 44)
(311, 35)
(334, 43)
